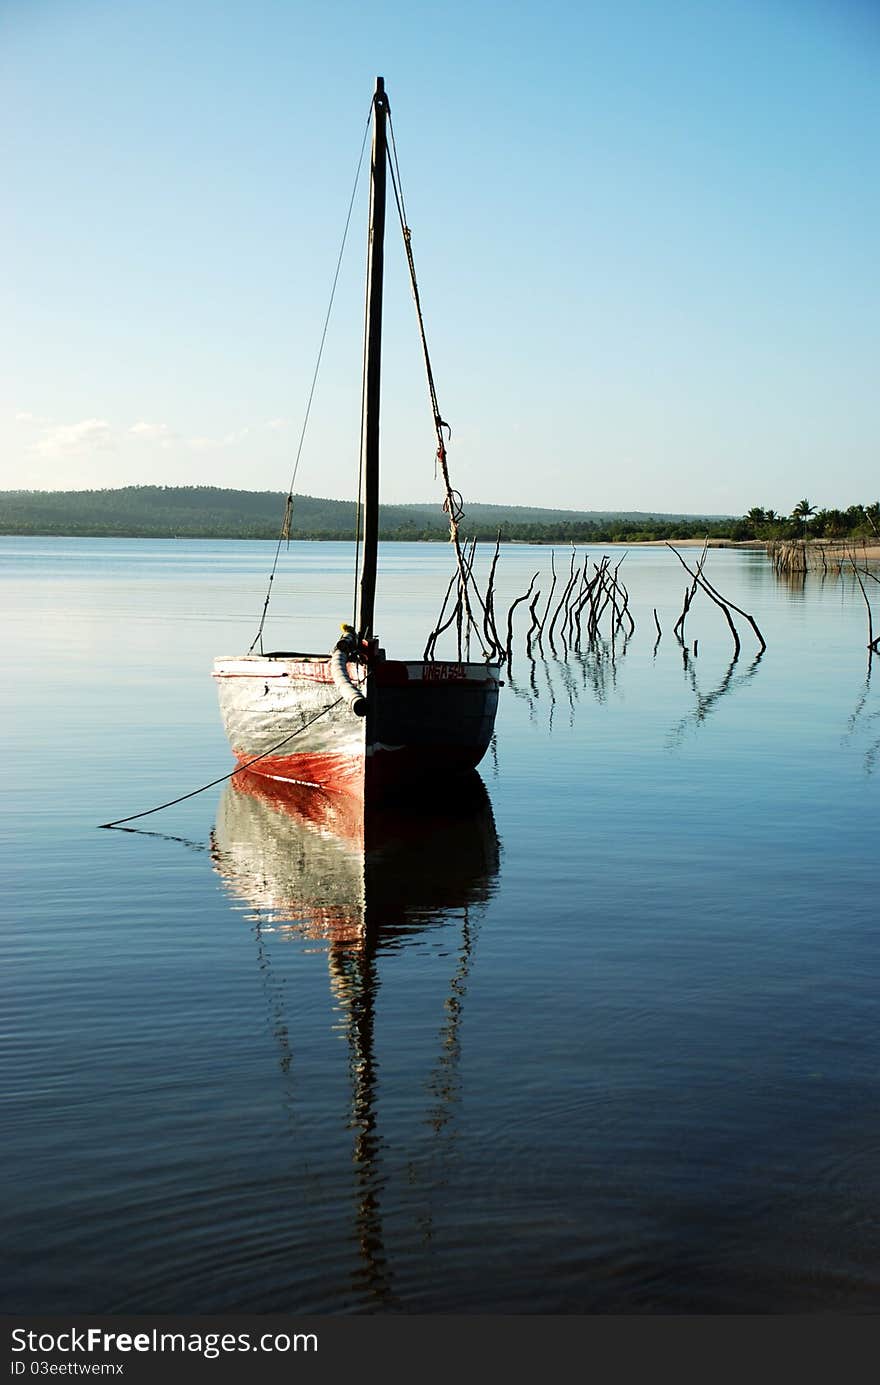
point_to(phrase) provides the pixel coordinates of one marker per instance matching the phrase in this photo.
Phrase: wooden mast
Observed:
(372, 366)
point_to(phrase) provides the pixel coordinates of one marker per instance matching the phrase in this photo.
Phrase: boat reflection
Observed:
(309, 868)
(312, 866)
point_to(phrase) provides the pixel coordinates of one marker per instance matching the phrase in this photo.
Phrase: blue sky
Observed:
(646, 237)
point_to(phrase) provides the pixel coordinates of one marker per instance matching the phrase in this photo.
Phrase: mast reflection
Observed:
(311, 869)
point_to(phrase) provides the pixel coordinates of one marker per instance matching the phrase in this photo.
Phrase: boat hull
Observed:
(424, 721)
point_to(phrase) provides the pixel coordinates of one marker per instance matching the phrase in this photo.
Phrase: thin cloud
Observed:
(53, 440)
(150, 430)
(32, 420)
(72, 439)
(205, 444)
(158, 434)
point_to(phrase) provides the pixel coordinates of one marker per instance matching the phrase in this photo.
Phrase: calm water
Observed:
(605, 1039)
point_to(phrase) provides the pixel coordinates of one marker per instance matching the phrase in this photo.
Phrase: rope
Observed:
(452, 505)
(288, 505)
(223, 777)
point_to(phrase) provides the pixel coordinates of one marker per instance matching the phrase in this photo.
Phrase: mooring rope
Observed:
(238, 769)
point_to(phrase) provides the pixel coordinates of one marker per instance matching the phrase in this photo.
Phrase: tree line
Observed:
(213, 512)
(807, 521)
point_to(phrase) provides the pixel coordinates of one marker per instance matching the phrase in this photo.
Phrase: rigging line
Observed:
(358, 515)
(397, 185)
(395, 169)
(238, 769)
(357, 535)
(285, 526)
(452, 506)
(357, 546)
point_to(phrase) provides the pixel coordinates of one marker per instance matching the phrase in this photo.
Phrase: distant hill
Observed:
(210, 512)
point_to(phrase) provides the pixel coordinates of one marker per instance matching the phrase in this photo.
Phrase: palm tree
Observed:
(802, 510)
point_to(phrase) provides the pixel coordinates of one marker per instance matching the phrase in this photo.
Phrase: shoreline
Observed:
(839, 547)
(867, 550)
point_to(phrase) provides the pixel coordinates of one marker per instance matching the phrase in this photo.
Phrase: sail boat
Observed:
(352, 719)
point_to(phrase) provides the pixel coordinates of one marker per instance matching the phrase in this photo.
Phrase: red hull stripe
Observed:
(381, 773)
(343, 773)
(312, 672)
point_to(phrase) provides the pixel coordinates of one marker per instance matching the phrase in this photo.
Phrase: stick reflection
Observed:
(707, 702)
